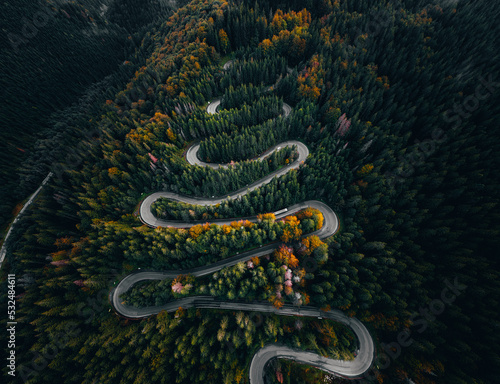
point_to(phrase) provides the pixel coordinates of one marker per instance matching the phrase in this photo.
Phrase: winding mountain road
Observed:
(148, 218)
(214, 105)
(344, 368)
(229, 63)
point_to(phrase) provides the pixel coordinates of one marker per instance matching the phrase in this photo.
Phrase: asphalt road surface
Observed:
(3, 250)
(148, 218)
(214, 104)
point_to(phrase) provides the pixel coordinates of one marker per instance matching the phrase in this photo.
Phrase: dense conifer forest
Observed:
(42, 49)
(398, 105)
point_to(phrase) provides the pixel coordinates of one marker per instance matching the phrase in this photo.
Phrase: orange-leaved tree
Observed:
(285, 256)
(291, 230)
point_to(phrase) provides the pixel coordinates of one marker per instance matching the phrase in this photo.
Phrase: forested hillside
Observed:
(50, 52)
(397, 103)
